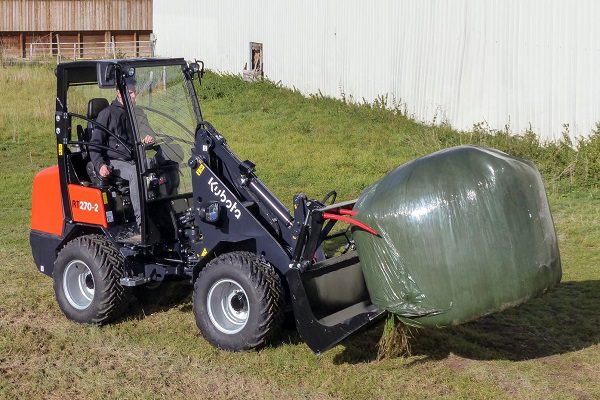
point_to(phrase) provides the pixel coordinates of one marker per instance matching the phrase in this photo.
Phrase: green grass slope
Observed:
(547, 348)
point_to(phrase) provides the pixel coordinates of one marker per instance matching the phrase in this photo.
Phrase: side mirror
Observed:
(130, 73)
(197, 67)
(107, 75)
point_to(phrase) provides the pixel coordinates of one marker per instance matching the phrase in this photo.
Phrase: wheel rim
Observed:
(227, 306)
(78, 284)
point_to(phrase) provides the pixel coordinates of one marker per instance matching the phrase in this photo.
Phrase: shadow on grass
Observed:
(563, 320)
(162, 298)
(287, 336)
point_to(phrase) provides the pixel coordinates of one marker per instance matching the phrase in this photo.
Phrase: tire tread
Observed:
(111, 268)
(266, 283)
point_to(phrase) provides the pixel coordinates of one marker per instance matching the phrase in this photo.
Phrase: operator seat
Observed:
(95, 106)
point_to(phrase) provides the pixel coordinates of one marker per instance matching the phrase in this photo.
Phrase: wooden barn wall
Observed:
(75, 15)
(11, 45)
(71, 45)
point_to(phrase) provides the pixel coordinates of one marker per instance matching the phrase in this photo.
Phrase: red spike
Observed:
(345, 211)
(351, 221)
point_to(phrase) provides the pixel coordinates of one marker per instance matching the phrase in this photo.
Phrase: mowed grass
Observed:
(547, 348)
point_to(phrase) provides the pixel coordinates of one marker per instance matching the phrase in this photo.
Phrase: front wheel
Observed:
(238, 302)
(86, 280)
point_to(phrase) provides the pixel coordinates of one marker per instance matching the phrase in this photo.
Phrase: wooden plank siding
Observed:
(75, 28)
(11, 45)
(76, 45)
(75, 15)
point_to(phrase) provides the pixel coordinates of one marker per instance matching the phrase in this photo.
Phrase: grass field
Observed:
(547, 348)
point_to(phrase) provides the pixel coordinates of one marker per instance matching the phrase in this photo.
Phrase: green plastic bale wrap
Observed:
(463, 232)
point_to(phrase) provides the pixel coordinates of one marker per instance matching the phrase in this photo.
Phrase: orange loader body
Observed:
(46, 202)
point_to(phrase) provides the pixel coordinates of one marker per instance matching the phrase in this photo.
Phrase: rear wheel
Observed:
(238, 302)
(86, 280)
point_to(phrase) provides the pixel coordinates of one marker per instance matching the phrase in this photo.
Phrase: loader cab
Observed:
(165, 107)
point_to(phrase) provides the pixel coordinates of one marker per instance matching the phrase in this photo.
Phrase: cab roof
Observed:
(84, 72)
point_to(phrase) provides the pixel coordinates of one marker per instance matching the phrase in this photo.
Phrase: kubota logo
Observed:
(220, 193)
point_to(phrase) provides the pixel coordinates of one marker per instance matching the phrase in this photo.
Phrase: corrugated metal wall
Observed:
(75, 15)
(522, 63)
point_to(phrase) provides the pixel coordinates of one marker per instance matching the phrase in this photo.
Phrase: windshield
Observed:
(163, 110)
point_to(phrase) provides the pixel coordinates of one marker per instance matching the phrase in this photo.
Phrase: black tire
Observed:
(104, 269)
(261, 293)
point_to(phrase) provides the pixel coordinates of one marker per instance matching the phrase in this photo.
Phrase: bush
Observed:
(565, 166)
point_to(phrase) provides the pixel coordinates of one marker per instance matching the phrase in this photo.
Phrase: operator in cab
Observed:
(107, 162)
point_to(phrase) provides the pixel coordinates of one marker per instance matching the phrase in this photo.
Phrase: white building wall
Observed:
(520, 63)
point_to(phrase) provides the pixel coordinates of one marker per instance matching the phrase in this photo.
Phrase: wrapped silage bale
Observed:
(463, 232)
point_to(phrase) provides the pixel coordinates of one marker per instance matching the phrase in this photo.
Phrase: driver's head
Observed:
(131, 90)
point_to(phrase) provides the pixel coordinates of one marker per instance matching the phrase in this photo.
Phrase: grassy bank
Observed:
(546, 348)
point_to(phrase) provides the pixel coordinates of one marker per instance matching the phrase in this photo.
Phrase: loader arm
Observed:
(239, 176)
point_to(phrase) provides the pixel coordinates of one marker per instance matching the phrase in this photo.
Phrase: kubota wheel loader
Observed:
(206, 217)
